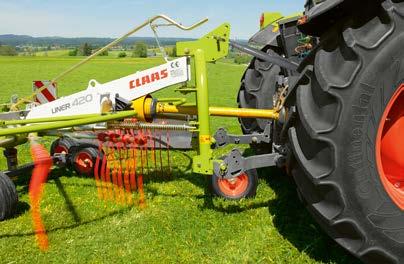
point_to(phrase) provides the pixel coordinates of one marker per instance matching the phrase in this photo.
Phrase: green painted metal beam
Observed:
(44, 120)
(214, 44)
(202, 163)
(65, 124)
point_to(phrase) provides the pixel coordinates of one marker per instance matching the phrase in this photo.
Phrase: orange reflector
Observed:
(303, 20)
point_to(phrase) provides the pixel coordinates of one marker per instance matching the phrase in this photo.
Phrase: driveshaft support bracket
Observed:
(234, 164)
(223, 138)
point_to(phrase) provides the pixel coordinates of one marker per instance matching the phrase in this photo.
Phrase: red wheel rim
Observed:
(390, 148)
(60, 149)
(84, 162)
(234, 187)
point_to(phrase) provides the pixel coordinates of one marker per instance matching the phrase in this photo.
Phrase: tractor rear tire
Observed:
(257, 89)
(357, 72)
(8, 197)
(243, 186)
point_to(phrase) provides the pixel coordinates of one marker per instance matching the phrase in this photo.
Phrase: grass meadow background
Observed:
(181, 222)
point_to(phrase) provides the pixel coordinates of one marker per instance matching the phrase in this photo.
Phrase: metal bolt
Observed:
(232, 180)
(223, 166)
(223, 169)
(254, 139)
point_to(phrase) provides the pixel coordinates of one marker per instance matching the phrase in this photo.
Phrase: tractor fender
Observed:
(319, 17)
(266, 36)
(320, 9)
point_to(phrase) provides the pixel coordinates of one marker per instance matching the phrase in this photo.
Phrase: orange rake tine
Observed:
(123, 169)
(127, 183)
(43, 164)
(127, 163)
(153, 150)
(114, 165)
(97, 169)
(114, 185)
(146, 149)
(119, 175)
(140, 177)
(132, 179)
(103, 171)
(108, 182)
(142, 202)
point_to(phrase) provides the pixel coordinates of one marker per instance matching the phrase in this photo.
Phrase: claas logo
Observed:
(150, 78)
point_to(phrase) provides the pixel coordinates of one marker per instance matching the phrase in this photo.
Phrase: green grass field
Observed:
(180, 224)
(52, 53)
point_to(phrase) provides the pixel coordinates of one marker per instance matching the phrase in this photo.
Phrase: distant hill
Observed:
(24, 40)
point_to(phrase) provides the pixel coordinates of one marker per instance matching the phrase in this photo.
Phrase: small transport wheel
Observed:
(84, 161)
(242, 186)
(64, 145)
(8, 197)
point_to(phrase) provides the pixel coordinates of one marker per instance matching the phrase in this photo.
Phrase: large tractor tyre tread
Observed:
(258, 86)
(8, 197)
(356, 71)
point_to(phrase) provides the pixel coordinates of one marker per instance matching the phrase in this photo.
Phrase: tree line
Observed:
(139, 50)
(6, 50)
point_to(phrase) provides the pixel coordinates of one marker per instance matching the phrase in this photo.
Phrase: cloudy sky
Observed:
(102, 18)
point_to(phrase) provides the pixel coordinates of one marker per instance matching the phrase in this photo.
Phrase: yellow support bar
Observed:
(244, 112)
(144, 107)
(162, 108)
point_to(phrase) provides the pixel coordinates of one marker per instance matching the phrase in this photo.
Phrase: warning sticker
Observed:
(177, 73)
(204, 139)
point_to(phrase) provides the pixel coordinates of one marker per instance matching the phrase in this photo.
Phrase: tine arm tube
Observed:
(66, 124)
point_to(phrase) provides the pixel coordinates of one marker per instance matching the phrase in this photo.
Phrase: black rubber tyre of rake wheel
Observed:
(8, 197)
(258, 86)
(357, 69)
(66, 142)
(93, 153)
(250, 191)
(69, 144)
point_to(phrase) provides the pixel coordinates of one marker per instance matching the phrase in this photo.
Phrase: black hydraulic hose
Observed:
(275, 59)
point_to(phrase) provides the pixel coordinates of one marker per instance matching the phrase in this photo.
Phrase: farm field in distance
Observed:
(180, 223)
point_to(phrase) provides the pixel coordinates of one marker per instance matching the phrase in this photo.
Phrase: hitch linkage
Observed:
(222, 138)
(235, 164)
